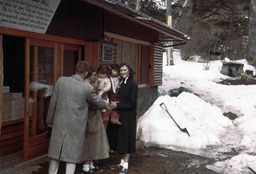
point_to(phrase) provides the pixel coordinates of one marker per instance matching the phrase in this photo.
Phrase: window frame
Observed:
(130, 54)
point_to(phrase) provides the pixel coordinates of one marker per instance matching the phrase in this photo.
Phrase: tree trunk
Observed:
(169, 56)
(252, 31)
(138, 5)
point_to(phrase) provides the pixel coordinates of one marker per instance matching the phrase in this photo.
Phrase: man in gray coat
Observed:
(67, 115)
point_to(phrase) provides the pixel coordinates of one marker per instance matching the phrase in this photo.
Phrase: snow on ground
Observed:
(201, 113)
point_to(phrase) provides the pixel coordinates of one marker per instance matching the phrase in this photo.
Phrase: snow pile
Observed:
(236, 165)
(203, 121)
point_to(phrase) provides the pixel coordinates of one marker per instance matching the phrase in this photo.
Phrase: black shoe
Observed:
(123, 171)
(97, 169)
(116, 167)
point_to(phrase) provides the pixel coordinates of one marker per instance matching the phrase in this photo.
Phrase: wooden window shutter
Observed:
(158, 64)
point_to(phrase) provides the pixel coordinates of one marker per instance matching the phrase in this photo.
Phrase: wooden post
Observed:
(151, 62)
(61, 59)
(55, 64)
(26, 96)
(79, 54)
(1, 78)
(138, 63)
(35, 79)
(95, 54)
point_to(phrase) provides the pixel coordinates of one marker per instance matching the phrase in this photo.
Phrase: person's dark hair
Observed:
(115, 67)
(128, 66)
(109, 69)
(93, 80)
(92, 70)
(82, 67)
(102, 70)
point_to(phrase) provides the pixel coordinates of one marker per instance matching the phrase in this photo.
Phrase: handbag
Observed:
(48, 132)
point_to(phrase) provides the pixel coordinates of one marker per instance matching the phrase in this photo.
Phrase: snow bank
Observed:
(203, 121)
(236, 165)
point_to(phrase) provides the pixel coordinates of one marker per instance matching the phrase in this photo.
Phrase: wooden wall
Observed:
(11, 139)
(78, 20)
(145, 64)
(1, 78)
(121, 26)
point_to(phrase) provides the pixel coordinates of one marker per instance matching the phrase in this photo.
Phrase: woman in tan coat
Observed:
(95, 143)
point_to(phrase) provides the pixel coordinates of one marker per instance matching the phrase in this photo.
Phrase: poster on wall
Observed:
(28, 15)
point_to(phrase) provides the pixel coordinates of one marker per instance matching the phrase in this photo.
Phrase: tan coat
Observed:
(68, 111)
(96, 142)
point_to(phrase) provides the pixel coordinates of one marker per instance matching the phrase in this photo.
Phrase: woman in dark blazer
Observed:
(126, 133)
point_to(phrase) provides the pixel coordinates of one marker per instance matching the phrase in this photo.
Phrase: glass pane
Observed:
(134, 57)
(127, 59)
(119, 52)
(127, 53)
(69, 62)
(119, 58)
(40, 87)
(127, 49)
(133, 64)
(119, 46)
(134, 49)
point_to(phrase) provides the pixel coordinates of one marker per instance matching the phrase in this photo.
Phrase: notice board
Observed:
(28, 15)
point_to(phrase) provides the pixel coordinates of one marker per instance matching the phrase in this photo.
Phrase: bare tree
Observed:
(138, 5)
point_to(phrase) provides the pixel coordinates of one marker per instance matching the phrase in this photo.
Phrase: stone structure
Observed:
(232, 69)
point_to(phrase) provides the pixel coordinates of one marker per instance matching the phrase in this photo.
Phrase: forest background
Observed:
(217, 28)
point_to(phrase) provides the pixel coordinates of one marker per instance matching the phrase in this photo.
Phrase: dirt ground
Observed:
(239, 82)
(150, 160)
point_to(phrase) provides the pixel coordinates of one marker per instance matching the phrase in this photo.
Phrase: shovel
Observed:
(163, 106)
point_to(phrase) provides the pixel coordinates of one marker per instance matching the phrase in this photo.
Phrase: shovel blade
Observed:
(185, 130)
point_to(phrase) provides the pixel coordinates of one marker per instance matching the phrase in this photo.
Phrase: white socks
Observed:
(125, 165)
(87, 167)
(91, 165)
(122, 162)
(70, 168)
(53, 166)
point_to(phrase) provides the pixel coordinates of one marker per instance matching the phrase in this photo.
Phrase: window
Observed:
(127, 52)
(119, 52)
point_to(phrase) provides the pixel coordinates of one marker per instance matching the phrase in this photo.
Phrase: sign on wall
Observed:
(28, 15)
(107, 52)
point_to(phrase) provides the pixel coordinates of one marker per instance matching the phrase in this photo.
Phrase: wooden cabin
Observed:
(42, 40)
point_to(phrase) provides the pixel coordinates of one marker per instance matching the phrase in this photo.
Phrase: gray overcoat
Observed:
(68, 111)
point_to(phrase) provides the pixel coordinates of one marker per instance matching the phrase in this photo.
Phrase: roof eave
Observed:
(142, 19)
